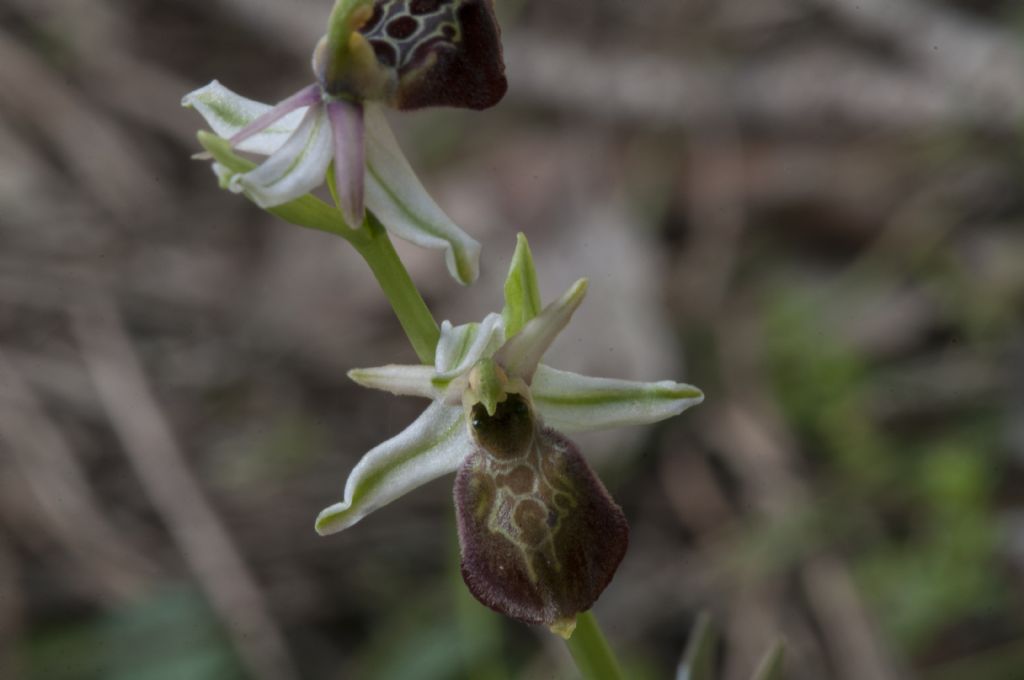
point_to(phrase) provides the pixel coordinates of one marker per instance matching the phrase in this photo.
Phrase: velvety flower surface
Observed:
(539, 534)
(439, 52)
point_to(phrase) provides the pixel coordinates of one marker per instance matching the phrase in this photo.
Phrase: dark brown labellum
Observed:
(443, 52)
(540, 536)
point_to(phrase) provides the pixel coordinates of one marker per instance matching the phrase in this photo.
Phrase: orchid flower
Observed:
(404, 53)
(540, 537)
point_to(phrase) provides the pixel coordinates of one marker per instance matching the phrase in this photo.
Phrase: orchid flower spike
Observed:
(407, 54)
(540, 537)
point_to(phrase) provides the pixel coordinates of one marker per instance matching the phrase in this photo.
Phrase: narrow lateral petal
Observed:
(570, 402)
(228, 114)
(396, 196)
(435, 444)
(349, 158)
(415, 381)
(296, 168)
(458, 349)
(523, 351)
(462, 346)
(307, 96)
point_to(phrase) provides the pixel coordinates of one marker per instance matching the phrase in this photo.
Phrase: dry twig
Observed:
(161, 466)
(63, 502)
(119, 178)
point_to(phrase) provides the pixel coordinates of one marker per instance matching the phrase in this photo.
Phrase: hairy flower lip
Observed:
(544, 554)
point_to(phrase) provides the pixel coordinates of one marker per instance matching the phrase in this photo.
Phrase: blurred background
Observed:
(809, 208)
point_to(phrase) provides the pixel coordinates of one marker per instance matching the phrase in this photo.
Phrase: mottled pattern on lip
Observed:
(402, 31)
(539, 534)
(443, 52)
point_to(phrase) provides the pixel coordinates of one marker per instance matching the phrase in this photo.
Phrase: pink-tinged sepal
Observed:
(307, 96)
(442, 52)
(540, 536)
(349, 158)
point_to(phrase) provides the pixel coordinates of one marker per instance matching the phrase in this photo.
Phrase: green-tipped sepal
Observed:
(396, 196)
(571, 402)
(522, 295)
(434, 445)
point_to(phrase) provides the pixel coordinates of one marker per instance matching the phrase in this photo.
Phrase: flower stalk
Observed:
(373, 243)
(591, 652)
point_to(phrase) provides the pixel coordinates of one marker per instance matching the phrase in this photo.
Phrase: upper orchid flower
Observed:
(540, 536)
(405, 53)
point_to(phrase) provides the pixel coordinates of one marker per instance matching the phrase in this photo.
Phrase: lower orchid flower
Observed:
(405, 53)
(540, 537)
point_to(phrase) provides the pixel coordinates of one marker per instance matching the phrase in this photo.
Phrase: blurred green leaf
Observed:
(169, 635)
(948, 571)
(698, 661)
(68, 652)
(770, 667)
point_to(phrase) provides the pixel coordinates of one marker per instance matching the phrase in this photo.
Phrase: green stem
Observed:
(589, 648)
(373, 244)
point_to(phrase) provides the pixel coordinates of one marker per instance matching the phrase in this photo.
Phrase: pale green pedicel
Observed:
(590, 650)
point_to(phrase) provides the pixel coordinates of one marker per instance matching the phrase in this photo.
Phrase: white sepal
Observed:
(228, 113)
(293, 170)
(398, 199)
(570, 402)
(435, 444)
(415, 381)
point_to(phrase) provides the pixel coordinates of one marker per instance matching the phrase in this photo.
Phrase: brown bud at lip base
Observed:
(540, 536)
